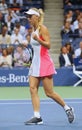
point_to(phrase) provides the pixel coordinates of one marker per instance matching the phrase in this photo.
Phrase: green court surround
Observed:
(23, 92)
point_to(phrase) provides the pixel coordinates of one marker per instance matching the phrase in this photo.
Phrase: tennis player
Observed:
(42, 67)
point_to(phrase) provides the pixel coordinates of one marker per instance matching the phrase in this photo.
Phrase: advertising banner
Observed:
(18, 77)
(14, 77)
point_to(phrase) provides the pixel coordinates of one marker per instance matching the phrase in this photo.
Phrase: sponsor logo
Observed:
(11, 78)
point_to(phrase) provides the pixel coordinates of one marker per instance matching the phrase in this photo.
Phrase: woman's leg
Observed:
(34, 84)
(48, 88)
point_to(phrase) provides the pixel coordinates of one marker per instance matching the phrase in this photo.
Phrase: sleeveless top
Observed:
(42, 65)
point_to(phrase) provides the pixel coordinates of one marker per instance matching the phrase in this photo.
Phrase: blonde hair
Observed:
(40, 11)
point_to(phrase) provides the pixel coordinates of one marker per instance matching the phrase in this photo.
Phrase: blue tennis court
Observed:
(13, 114)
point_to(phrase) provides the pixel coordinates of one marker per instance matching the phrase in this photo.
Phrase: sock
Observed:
(37, 114)
(66, 107)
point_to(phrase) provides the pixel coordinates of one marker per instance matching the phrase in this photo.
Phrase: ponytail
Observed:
(41, 16)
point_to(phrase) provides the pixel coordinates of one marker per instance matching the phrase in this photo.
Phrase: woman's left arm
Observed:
(45, 40)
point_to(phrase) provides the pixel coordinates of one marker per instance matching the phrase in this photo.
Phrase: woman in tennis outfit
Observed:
(42, 67)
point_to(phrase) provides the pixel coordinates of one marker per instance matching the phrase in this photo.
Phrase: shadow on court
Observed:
(13, 113)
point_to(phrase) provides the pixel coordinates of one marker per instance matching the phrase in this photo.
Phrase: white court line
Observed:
(42, 99)
(71, 99)
(42, 102)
